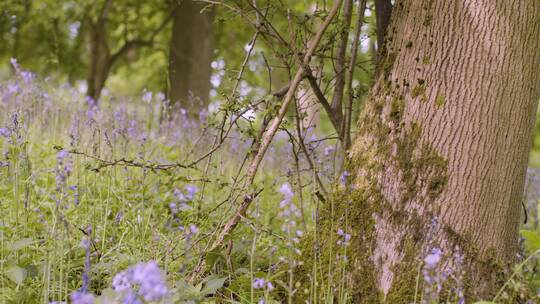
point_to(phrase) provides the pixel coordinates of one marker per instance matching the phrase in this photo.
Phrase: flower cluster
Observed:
(26, 76)
(147, 277)
(290, 213)
(266, 286)
(62, 171)
(81, 297)
(261, 283)
(433, 277)
(344, 238)
(183, 198)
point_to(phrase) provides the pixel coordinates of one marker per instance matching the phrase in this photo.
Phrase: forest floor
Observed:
(118, 201)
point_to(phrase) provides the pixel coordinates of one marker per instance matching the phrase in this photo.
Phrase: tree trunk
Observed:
(441, 150)
(383, 11)
(100, 60)
(308, 103)
(191, 52)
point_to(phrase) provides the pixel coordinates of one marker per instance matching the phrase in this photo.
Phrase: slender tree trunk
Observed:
(308, 104)
(191, 52)
(441, 150)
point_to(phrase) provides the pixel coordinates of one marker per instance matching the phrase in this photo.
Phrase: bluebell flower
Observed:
(286, 190)
(344, 238)
(191, 190)
(258, 283)
(27, 76)
(193, 229)
(149, 279)
(61, 155)
(13, 88)
(5, 132)
(121, 282)
(147, 96)
(152, 286)
(433, 258)
(81, 297)
(343, 178)
(131, 298)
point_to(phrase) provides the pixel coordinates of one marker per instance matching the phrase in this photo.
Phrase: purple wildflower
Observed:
(433, 277)
(147, 96)
(149, 279)
(5, 132)
(82, 297)
(13, 88)
(191, 190)
(344, 238)
(286, 190)
(433, 259)
(27, 76)
(258, 283)
(121, 282)
(131, 298)
(343, 178)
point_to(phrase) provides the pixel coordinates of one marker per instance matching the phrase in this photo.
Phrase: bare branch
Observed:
(340, 66)
(265, 143)
(348, 108)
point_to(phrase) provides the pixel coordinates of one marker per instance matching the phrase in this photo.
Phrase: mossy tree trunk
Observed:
(190, 55)
(441, 151)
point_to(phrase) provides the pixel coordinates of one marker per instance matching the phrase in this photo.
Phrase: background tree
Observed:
(190, 55)
(126, 17)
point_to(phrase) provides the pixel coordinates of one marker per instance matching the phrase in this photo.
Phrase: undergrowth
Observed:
(115, 203)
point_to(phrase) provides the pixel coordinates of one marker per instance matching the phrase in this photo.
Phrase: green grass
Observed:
(124, 211)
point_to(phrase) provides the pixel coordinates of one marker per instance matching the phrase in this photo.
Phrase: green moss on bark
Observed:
(440, 101)
(384, 142)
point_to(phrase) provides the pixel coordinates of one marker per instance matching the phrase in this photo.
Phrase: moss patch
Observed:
(384, 141)
(418, 90)
(440, 101)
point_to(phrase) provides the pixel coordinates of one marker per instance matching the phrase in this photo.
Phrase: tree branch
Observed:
(340, 61)
(348, 108)
(265, 143)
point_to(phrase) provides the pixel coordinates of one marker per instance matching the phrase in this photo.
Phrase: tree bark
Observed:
(441, 150)
(100, 60)
(191, 53)
(383, 12)
(308, 103)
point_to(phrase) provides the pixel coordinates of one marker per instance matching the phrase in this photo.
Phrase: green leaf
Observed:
(484, 302)
(532, 240)
(213, 285)
(212, 258)
(20, 244)
(16, 274)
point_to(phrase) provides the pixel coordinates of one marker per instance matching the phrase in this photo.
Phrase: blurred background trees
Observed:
(189, 50)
